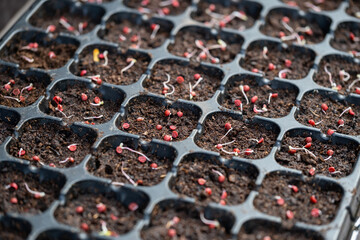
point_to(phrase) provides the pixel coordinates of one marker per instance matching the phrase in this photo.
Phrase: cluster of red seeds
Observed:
(16, 93)
(163, 8)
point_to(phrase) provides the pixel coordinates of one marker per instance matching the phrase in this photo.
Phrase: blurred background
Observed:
(8, 9)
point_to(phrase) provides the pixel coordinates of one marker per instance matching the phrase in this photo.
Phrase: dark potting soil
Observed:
(354, 8)
(154, 6)
(244, 135)
(301, 60)
(20, 200)
(107, 162)
(185, 44)
(281, 102)
(343, 158)
(13, 52)
(342, 40)
(78, 110)
(112, 71)
(23, 92)
(117, 217)
(144, 114)
(232, 190)
(12, 233)
(310, 109)
(57, 235)
(189, 226)
(326, 199)
(275, 26)
(335, 64)
(203, 91)
(217, 17)
(322, 6)
(6, 129)
(50, 142)
(137, 35)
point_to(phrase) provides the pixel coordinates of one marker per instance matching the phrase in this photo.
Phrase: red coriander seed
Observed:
(254, 99)
(197, 76)
(330, 152)
(133, 206)
(126, 30)
(331, 169)
(97, 100)
(285, 19)
(119, 149)
(289, 214)
(280, 201)
(142, 159)
(237, 102)
(221, 178)
(308, 139)
(171, 232)
(271, 66)
(172, 127)
(324, 107)
(222, 202)
(288, 63)
(174, 134)
(167, 138)
(14, 186)
(154, 166)
(295, 188)
(315, 212)
(36, 158)
(84, 97)
(83, 73)
(158, 127)
(208, 191)
(313, 199)
(167, 113)
(311, 122)
(246, 88)
(224, 194)
(14, 200)
(330, 132)
(227, 126)
(84, 227)
(180, 80)
(312, 171)
(126, 126)
(101, 207)
(201, 181)
(72, 147)
(79, 209)
(308, 145)
(179, 114)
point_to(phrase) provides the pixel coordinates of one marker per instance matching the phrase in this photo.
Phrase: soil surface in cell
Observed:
(155, 6)
(181, 76)
(354, 8)
(347, 38)
(295, 200)
(245, 140)
(315, 5)
(15, 233)
(311, 113)
(6, 129)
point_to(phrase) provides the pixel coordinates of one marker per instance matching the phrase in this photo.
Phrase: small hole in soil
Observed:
(347, 38)
(199, 44)
(57, 235)
(239, 16)
(354, 8)
(44, 142)
(290, 27)
(312, 202)
(27, 193)
(340, 116)
(63, 16)
(153, 118)
(228, 186)
(32, 49)
(181, 75)
(183, 220)
(314, 5)
(131, 31)
(262, 229)
(172, 7)
(14, 229)
(111, 65)
(93, 208)
(319, 156)
(272, 100)
(273, 60)
(77, 102)
(8, 121)
(232, 137)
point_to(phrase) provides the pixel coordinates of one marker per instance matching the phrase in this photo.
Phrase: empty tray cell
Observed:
(290, 26)
(230, 136)
(94, 208)
(21, 90)
(314, 5)
(251, 95)
(153, 117)
(273, 59)
(47, 142)
(354, 8)
(66, 16)
(179, 79)
(347, 38)
(125, 160)
(266, 230)
(77, 101)
(220, 14)
(8, 121)
(35, 50)
(293, 199)
(27, 192)
(130, 30)
(323, 110)
(308, 152)
(107, 64)
(200, 44)
(14, 229)
(57, 235)
(204, 178)
(184, 220)
(160, 7)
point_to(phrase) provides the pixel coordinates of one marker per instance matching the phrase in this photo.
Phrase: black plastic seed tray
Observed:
(244, 213)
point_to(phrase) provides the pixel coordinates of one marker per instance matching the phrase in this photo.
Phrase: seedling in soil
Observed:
(347, 38)
(315, 5)
(160, 7)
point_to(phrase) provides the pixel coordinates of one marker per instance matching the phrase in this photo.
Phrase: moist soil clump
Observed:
(119, 68)
(295, 62)
(326, 158)
(50, 144)
(354, 8)
(245, 140)
(155, 6)
(281, 100)
(17, 199)
(14, 232)
(150, 119)
(6, 129)
(223, 185)
(221, 50)
(80, 104)
(346, 38)
(110, 162)
(277, 25)
(314, 5)
(215, 15)
(295, 200)
(312, 114)
(180, 77)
